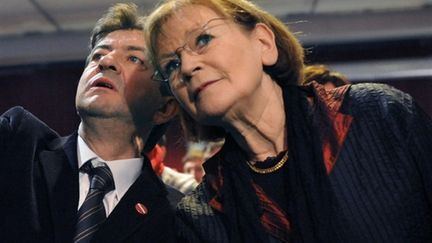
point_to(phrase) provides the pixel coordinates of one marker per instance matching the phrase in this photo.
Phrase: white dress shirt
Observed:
(125, 172)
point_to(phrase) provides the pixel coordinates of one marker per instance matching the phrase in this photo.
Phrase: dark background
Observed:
(48, 90)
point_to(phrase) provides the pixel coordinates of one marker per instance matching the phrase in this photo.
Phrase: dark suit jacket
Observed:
(39, 190)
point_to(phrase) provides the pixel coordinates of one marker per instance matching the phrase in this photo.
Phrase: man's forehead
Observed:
(130, 39)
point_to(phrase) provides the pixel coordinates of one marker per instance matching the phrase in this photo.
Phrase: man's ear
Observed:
(167, 111)
(267, 41)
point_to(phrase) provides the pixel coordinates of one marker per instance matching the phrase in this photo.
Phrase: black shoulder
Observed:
(18, 118)
(11, 117)
(196, 220)
(385, 107)
(196, 203)
(174, 196)
(378, 99)
(21, 123)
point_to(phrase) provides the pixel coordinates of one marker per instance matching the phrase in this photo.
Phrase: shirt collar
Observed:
(125, 171)
(84, 152)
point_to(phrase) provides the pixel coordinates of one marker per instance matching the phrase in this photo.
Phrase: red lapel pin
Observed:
(141, 209)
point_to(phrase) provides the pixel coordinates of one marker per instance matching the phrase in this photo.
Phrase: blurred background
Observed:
(43, 45)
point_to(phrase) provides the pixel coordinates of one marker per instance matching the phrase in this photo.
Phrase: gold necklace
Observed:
(274, 168)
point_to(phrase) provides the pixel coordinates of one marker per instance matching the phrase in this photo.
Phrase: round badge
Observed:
(141, 209)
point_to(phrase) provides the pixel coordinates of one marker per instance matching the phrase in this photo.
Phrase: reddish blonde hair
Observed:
(287, 70)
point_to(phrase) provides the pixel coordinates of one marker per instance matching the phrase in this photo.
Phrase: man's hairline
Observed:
(88, 60)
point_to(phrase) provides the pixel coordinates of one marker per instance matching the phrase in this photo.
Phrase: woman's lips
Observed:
(202, 87)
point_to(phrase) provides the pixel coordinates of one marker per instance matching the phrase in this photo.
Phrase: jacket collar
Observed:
(60, 169)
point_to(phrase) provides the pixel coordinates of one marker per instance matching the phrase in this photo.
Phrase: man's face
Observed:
(194, 167)
(117, 80)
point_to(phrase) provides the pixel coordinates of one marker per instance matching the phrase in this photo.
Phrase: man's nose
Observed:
(109, 62)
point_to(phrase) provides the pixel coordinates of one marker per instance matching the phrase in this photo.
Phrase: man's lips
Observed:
(103, 83)
(202, 87)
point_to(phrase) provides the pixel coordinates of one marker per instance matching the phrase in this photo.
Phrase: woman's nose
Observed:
(189, 66)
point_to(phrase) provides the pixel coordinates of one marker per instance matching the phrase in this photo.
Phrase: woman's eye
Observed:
(172, 66)
(136, 60)
(203, 40)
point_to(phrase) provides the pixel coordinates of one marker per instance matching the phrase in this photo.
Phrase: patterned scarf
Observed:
(250, 215)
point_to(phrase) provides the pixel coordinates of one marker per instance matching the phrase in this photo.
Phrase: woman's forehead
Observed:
(192, 16)
(182, 23)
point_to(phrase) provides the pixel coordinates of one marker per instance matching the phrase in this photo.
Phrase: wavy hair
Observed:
(288, 69)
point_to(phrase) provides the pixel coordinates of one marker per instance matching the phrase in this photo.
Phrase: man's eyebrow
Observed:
(106, 47)
(136, 48)
(129, 48)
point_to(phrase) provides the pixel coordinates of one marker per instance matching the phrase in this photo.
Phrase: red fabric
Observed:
(333, 134)
(216, 183)
(156, 156)
(273, 219)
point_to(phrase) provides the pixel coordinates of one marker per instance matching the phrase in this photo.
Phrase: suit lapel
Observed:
(59, 166)
(125, 219)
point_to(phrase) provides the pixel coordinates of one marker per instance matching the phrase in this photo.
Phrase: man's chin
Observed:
(98, 112)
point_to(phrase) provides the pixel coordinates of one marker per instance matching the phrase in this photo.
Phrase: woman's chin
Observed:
(210, 118)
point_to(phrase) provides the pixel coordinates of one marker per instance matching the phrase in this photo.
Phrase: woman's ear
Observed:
(267, 40)
(167, 111)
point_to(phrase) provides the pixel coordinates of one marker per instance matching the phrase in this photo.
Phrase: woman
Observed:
(299, 164)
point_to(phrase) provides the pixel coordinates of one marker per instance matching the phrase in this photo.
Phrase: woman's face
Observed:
(215, 66)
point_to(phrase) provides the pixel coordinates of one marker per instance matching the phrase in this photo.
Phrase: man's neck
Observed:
(110, 140)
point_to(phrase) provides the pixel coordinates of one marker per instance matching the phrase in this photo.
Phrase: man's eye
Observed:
(172, 66)
(203, 40)
(136, 60)
(96, 56)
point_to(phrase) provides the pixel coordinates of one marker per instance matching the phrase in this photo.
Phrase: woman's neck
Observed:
(259, 128)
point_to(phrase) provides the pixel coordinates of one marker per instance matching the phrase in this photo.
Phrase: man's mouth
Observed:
(103, 83)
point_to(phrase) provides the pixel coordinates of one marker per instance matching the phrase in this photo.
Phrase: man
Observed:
(196, 154)
(61, 189)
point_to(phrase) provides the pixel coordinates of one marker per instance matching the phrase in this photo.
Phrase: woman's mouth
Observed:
(202, 87)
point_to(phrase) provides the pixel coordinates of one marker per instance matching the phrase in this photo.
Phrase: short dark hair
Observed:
(120, 16)
(124, 16)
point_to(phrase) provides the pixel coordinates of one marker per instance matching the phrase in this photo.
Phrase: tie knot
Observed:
(101, 177)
